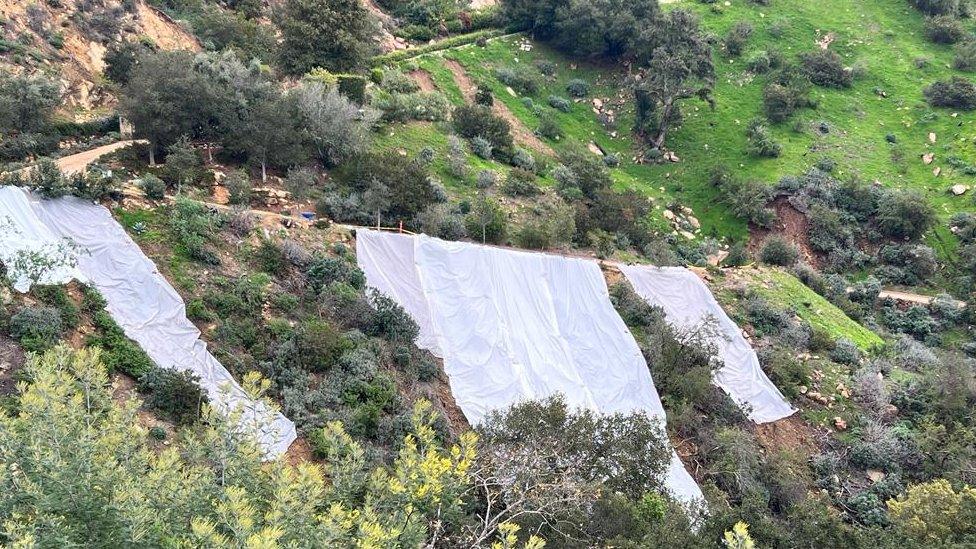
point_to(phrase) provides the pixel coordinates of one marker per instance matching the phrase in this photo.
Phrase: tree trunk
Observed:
(152, 155)
(264, 172)
(210, 152)
(484, 234)
(665, 121)
(377, 220)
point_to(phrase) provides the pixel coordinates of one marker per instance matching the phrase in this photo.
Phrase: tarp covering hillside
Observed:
(31, 253)
(142, 302)
(512, 326)
(687, 303)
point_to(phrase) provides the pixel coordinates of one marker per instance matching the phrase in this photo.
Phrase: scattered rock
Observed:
(927, 158)
(594, 148)
(840, 424)
(817, 397)
(931, 137)
(959, 189)
(937, 171)
(511, 91)
(669, 215)
(875, 476)
(5, 296)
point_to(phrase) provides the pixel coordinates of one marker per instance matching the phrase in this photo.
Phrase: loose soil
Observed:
(523, 135)
(423, 79)
(790, 224)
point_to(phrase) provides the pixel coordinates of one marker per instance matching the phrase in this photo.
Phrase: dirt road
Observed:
(78, 162)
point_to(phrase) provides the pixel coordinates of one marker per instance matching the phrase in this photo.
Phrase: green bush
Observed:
(578, 88)
(523, 79)
(390, 321)
(119, 353)
(520, 182)
(826, 68)
(175, 394)
(471, 121)
(323, 271)
(965, 56)
(239, 189)
(956, 93)
(777, 250)
(905, 214)
(153, 187)
(270, 258)
(761, 143)
(737, 37)
(37, 328)
(944, 29)
(352, 86)
(560, 103)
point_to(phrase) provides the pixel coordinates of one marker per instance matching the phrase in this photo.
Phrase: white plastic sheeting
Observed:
(512, 326)
(687, 303)
(30, 252)
(144, 304)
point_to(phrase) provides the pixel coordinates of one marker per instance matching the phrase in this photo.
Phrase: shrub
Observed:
(761, 143)
(472, 121)
(241, 222)
(486, 179)
(522, 79)
(238, 185)
(759, 62)
(300, 181)
(934, 513)
(119, 353)
(560, 103)
(826, 68)
(965, 56)
(486, 220)
(323, 271)
(270, 258)
(737, 37)
(523, 159)
(546, 67)
(394, 81)
(483, 96)
(937, 7)
(578, 88)
(37, 328)
(152, 186)
(957, 93)
(520, 182)
(176, 394)
(548, 126)
(194, 226)
(747, 199)
(778, 251)
(442, 221)
(427, 106)
(482, 148)
(905, 214)
(845, 352)
(389, 320)
(944, 29)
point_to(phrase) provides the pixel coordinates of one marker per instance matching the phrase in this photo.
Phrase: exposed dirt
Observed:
(386, 40)
(78, 61)
(791, 435)
(424, 80)
(790, 224)
(523, 135)
(299, 452)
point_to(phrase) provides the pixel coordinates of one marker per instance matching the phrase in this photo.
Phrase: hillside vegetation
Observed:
(811, 161)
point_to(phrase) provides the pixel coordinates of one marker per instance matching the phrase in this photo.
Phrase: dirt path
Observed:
(909, 297)
(424, 80)
(523, 135)
(78, 162)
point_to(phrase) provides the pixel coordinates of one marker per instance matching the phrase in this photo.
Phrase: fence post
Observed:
(401, 226)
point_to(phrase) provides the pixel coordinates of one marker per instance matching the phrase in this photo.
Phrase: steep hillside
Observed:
(67, 40)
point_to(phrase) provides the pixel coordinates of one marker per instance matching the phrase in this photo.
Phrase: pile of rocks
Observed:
(683, 221)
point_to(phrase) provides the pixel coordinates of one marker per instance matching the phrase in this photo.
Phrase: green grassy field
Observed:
(881, 38)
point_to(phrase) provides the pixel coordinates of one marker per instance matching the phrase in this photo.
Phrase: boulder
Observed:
(959, 189)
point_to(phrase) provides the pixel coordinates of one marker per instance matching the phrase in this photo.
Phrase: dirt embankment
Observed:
(69, 39)
(423, 79)
(790, 224)
(523, 135)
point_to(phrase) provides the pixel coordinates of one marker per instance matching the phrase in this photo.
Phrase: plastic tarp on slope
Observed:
(25, 240)
(146, 307)
(687, 303)
(512, 326)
